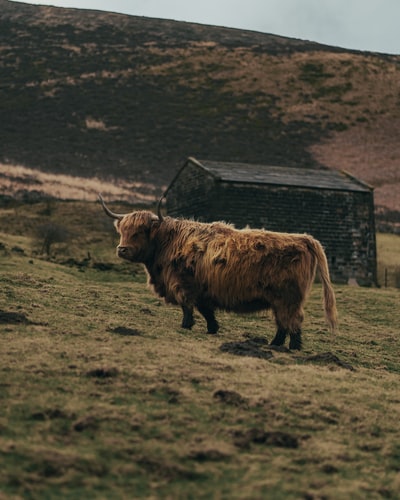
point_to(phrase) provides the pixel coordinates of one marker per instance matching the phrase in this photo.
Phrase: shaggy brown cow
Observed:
(215, 266)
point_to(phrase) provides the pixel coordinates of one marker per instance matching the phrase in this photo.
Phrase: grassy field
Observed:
(103, 395)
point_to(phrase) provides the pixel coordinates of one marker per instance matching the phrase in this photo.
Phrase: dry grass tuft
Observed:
(15, 179)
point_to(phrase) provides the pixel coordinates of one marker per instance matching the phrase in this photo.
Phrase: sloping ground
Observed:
(103, 395)
(93, 94)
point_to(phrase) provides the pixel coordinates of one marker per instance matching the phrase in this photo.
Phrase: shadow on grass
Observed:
(13, 318)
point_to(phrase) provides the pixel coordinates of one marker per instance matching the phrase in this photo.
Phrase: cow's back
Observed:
(231, 268)
(252, 266)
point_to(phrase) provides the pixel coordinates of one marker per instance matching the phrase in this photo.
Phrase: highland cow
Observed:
(212, 266)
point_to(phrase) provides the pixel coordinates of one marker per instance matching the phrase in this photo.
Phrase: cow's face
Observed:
(135, 230)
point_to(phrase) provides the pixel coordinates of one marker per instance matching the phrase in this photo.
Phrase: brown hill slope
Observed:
(95, 94)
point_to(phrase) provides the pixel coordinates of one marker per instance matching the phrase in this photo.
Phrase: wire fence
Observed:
(389, 277)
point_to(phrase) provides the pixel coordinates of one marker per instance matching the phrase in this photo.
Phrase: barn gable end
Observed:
(332, 206)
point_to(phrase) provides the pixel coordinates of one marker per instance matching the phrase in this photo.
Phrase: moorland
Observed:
(126, 99)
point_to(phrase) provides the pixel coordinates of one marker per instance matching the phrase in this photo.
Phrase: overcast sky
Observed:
(372, 25)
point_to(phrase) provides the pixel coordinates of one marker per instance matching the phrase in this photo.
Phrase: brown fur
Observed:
(215, 266)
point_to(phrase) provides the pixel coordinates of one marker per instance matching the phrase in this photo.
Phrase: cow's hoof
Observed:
(212, 329)
(187, 325)
(295, 346)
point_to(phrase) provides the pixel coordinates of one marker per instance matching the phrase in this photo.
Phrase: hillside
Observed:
(104, 396)
(126, 99)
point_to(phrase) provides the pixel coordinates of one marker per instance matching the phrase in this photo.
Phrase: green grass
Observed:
(103, 395)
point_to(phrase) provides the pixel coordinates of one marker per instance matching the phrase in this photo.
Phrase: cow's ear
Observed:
(116, 224)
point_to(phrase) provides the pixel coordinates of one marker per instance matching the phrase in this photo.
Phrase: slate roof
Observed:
(282, 176)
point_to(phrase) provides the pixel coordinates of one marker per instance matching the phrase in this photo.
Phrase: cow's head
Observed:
(136, 233)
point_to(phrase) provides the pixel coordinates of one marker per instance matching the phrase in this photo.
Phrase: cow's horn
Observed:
(108, 211)
(161, 218)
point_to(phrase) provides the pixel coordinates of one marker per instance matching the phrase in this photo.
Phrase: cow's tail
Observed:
(329, 299)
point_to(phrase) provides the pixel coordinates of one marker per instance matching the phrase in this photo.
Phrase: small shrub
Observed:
(50, 233)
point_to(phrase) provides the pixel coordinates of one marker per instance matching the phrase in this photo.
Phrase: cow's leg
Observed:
(289, 318)
(295, 340)
(209, 316)
(187, 320)
(280, 336)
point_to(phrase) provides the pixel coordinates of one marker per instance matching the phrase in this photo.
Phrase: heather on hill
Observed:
(117, 97)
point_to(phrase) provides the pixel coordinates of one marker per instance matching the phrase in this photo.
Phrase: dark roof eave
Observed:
(351, 185)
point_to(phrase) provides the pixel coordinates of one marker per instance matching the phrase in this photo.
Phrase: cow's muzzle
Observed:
(123, 252)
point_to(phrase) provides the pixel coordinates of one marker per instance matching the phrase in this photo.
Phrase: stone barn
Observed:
(332, 206)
